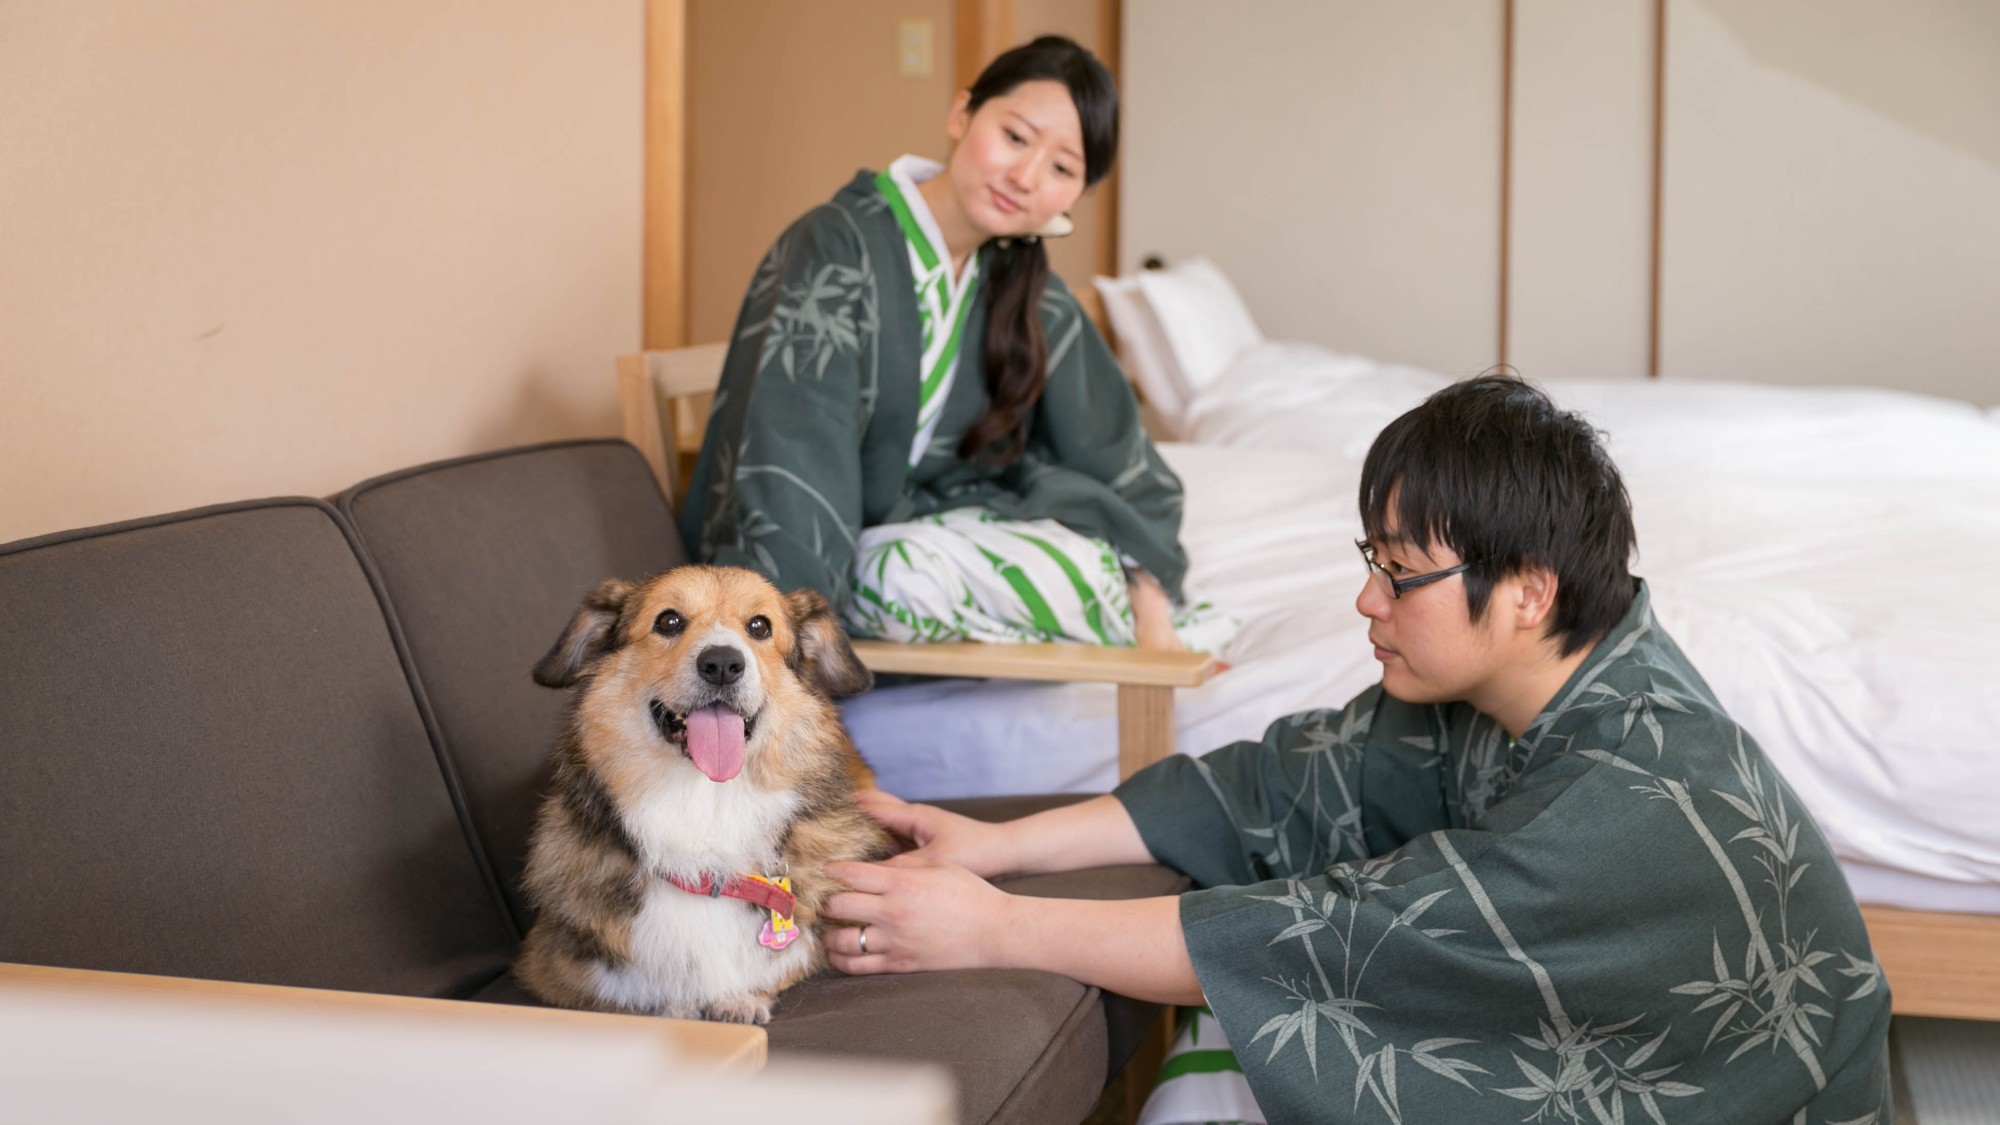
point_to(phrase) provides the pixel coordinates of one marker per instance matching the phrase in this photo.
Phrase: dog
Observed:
(701, 785)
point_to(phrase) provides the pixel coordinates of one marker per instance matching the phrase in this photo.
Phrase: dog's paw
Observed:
(742, 1009)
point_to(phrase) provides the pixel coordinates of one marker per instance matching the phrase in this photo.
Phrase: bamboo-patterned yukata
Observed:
(1624, 916)
(831, 459)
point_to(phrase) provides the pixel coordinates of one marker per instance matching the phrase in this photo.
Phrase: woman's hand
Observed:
(976, 846)
(914, 913)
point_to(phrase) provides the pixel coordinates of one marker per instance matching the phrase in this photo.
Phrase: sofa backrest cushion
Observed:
(212, 764)
(484, 560)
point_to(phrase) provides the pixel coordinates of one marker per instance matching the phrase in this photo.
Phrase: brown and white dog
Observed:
(703, 760)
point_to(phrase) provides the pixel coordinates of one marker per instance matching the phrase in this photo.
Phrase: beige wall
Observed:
(785, 102)
(1831, 184)
(1579, 276)
(257, 249)
(1339, 159)
(1832, 207)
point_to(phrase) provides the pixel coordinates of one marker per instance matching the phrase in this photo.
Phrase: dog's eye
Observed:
(759, 628)
(669, 624)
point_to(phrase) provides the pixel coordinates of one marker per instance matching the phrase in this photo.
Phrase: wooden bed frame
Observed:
(1937, 964)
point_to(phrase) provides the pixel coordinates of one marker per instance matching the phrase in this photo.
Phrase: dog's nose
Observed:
(719, 665)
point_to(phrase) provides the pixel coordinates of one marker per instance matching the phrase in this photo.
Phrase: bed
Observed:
(1822, 555)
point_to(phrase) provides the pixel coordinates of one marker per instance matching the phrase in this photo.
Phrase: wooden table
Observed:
(77, 1045)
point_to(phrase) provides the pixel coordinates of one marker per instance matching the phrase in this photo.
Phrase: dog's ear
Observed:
(589, 635)
(820, 653)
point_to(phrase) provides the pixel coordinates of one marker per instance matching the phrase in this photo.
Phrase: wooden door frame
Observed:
(665, 260)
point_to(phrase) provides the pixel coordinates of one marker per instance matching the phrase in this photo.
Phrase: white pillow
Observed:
(1202, 318)
(1148, 358)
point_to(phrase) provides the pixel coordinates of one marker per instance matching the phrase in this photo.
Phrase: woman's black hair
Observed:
(1015, 276)
(1493, 469)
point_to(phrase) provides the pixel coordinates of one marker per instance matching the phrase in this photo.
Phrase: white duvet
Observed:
(1825, 557)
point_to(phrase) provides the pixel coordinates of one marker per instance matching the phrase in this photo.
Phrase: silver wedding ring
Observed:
(864, 941)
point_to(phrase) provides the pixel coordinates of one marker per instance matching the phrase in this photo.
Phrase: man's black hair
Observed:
(1491, 468)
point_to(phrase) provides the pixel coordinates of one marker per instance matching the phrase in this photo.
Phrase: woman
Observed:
(917, 420)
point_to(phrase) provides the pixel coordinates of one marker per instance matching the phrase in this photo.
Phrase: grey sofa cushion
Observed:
(1021, 1046)
(212, 764)
(484, 559)
(1126, 1020)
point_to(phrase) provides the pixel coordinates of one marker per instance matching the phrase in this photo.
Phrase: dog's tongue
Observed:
(715, 741)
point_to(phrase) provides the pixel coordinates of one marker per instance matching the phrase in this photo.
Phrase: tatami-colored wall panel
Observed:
(1832, 205)
(1339, 160)
(1579, 260)
(254, 249)
(785, 102)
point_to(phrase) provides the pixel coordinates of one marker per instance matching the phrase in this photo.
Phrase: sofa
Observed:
(295, 742)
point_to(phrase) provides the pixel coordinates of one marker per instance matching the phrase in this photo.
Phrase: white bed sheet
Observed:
(1825, 557)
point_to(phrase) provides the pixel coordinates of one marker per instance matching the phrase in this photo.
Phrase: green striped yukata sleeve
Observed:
(1200, 1083)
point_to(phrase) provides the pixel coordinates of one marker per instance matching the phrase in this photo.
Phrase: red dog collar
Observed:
(749, 888)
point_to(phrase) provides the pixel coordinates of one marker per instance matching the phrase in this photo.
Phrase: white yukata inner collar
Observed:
(908, 171)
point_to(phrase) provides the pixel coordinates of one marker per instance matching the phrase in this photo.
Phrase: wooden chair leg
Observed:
(640, 415)
(1145, 726)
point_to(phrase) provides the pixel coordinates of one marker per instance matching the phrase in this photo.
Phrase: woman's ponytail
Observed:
(1017, 274)
(1017, 351)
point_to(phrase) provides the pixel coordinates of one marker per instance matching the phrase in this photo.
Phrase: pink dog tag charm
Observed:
(779, 931)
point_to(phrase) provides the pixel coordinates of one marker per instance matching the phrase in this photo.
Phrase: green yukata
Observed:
(816, 417)
(1625, 915)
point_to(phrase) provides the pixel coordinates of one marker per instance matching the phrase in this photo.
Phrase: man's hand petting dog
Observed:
(917, 912)
(933, 833)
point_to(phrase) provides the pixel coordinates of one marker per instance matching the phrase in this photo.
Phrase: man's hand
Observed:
(977, 846)
(914, 913)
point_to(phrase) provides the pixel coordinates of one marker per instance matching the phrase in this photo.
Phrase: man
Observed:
(1537, 873)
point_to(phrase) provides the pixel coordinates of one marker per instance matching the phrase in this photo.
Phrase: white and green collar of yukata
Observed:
(908, 171)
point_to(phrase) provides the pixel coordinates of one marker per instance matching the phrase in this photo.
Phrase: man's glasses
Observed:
(1400, 586)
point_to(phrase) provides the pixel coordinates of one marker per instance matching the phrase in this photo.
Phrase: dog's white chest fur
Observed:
(690, 950)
